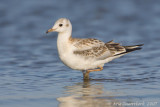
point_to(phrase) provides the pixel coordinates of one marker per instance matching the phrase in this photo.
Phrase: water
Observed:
(31, 74)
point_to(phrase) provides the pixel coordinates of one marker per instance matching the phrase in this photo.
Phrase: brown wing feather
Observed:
(115, 48)
(84, 44)
(93, 52)
(102, 51)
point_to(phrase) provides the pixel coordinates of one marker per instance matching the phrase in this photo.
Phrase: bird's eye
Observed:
(60, 25)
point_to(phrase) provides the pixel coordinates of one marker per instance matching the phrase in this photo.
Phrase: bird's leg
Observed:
(99, 69)
(86, 73)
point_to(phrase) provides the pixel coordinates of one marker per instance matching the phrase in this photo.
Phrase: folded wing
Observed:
(95, 48)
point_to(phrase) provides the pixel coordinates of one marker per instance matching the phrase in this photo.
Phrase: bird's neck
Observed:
(64, 36)
(63, 41)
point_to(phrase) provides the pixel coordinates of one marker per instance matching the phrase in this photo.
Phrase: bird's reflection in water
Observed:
(87, 95)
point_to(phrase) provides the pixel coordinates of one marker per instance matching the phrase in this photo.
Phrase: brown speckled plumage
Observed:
(85, 43)
(93, 52)
(96, 48)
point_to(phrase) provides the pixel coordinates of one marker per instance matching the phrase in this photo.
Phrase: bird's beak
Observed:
(50, 30)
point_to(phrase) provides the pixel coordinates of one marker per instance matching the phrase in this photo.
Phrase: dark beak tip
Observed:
(47, 31)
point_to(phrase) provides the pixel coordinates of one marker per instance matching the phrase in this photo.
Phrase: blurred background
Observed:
(31, 73)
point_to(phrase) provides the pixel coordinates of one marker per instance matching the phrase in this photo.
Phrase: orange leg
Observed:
(86, 74)
(99, 69)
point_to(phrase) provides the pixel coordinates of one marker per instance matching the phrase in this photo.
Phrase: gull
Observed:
(86, 54)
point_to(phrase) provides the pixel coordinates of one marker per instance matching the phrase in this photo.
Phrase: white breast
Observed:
(65, 50)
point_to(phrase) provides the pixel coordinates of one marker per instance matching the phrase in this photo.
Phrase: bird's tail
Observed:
(133, 48)
(130, 49)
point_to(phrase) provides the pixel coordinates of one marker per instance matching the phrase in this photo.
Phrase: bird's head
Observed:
(61, 25)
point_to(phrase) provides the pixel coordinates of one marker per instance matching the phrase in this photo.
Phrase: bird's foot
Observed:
(86, 72)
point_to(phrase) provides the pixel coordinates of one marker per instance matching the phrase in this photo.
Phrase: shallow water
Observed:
(31, 74)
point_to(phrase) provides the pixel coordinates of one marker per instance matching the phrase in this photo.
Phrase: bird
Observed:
(86, 54)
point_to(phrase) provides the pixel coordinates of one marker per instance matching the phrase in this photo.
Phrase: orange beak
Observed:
(50, 30)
